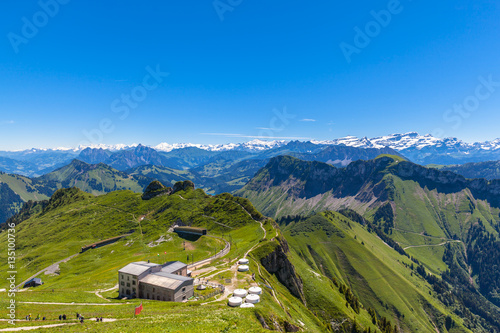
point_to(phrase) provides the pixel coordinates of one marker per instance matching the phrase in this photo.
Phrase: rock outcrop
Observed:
(183, 186)
(277, 263)
(154, 189)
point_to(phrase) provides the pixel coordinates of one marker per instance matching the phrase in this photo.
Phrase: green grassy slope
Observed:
(165, 175)
(74, 218)
(448, 223)
(92, 178)
(332, 251)
(488, 170)
(425, 220)
(15, 190)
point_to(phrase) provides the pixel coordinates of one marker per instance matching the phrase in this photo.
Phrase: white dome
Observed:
(255, 290)
(235, 301)
(252, 298)
(247, 305)
(240, 293)
(243, 261)
(243, 268)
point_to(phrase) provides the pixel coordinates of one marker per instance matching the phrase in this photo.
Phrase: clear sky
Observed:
(95, 71)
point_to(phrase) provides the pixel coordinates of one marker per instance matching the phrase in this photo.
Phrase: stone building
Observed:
(167, 282)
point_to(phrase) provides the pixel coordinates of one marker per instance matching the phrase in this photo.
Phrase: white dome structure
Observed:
(252, 298)
(255, 290)
(243, 268)
(247, 305)
(240, 293)
(243, 261)
(235, 301)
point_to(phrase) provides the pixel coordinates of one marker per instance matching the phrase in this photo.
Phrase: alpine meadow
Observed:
(234, 166)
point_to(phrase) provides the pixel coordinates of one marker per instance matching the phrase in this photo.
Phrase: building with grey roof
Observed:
(167, 282)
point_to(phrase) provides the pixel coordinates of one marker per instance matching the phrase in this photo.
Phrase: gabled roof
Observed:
(137, 268)
(173, 276)
(165, 280)
(173, 266)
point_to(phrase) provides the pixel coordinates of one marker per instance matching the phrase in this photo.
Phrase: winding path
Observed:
(431, 245)
(30, 328)
(253, 247)
(51, 269)
(221, 253)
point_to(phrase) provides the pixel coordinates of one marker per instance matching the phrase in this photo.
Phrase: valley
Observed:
(380, 245)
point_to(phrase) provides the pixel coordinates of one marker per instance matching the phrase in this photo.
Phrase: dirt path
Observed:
(97, 292)
(30, 328)
(422, 234)
(441, 244)
(221, 253)
(253, 247)
(261, 226)
(50, 270)
(57, 303)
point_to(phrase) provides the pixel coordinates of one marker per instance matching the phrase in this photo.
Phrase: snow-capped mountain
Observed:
(254, 146)
(399, 142)
(421, 149)
(426, 149)
(411, 140)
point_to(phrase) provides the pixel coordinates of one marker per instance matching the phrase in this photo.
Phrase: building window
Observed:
(133, 282)
(123, 283)
(184, 289)
(147, 296)
(128, 277)
(128, 284)
(153, 289)
(128, 292)
(122, 276)
(158, 297)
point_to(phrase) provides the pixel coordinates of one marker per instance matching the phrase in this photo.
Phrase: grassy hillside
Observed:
(15, 190)
(74, 218)
(219, 175)
(449, 224)
(165, 175)
(488, 170)
(92, 178)
(335, 253)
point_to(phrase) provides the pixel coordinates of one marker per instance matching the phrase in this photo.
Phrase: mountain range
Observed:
(421, 149)
(380, 245)
(450, 223)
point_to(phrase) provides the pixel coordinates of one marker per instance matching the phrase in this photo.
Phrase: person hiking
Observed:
(77, 315)
(60, 317)
(64, 317)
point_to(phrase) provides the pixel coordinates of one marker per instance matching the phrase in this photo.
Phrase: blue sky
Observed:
(243, 69)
